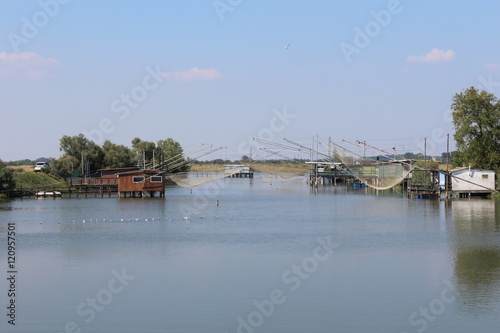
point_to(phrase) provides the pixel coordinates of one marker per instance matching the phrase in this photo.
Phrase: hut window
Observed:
(138, 179)
(156, 179)
(485, 176)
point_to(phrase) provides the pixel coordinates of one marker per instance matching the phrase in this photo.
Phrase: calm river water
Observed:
(273, 256)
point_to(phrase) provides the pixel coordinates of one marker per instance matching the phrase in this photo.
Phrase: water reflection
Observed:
(476, 249)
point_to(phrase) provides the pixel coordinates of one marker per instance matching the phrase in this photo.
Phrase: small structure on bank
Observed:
(466, 181)
(140, 183)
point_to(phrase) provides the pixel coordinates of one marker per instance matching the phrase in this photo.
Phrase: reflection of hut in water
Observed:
(477, 254)
(140, 183)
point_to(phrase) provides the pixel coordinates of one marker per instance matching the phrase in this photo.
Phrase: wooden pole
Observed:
(447, 164)
(425, 161)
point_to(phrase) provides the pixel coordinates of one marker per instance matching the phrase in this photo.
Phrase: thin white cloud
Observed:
(493, 67)
(26, 66)
(434, 56)
(193, 74)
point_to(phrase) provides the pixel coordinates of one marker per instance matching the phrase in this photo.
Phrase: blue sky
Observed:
(217, 72)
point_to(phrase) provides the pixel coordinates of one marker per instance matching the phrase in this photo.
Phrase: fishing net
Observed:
(380, 173)
(196, 178)
(282, 170)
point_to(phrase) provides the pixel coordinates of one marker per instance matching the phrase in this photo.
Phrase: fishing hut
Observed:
(466, 181)
(328, 173)
(140, 183)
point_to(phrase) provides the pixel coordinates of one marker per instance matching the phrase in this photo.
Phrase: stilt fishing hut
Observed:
(140, 183)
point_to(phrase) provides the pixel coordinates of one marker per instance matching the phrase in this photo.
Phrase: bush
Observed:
(6, 177)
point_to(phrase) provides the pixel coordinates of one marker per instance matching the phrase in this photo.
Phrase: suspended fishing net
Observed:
(282, 170)
(380, 173)
(196, 178)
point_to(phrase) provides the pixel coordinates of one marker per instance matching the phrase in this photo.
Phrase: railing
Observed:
(91, 181)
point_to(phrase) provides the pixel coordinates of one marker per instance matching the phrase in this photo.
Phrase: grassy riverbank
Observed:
(206, 167)
(26, 178)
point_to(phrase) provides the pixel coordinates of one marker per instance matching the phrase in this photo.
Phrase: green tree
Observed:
(476, 118)
(116, 156)
(84, 149)
(143, 152)
(64, 166)
(171, 153)
(245, 158)
(6, 177)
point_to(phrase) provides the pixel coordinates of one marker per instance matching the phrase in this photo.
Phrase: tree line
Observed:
(84, 156)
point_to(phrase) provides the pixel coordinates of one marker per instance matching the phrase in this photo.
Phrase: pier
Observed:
(243, 171)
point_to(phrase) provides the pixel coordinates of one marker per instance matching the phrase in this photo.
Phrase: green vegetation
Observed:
(80, 152)
(147, 154)
(16, 177)
(37, 180)
(476, 117)
(424, 177)
(7, 181)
